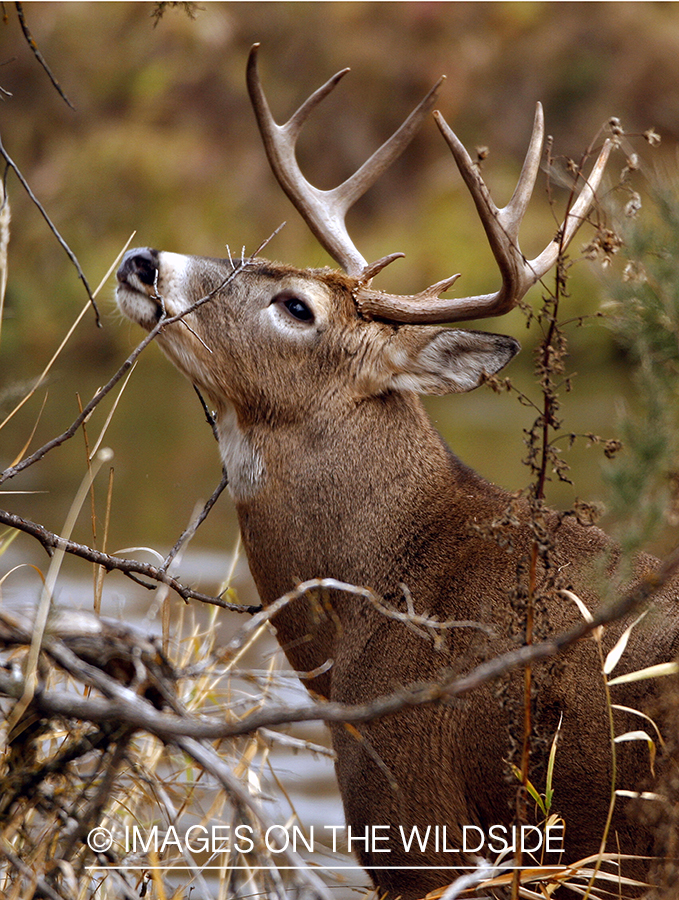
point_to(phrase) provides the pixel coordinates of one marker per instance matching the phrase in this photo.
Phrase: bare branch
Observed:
(71, 255)
(87, 410)
(132, 568)
(123, 705)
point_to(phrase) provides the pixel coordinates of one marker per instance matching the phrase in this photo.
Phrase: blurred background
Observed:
(163, 142)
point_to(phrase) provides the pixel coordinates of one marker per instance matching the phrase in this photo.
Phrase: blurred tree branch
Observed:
(38, 55)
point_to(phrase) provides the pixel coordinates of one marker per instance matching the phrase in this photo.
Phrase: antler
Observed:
(502, 228)
(325, 211)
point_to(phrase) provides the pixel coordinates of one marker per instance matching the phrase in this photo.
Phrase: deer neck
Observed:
(344, 496)
(369, 498)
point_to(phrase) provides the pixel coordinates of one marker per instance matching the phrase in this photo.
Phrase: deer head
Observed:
(271, 342)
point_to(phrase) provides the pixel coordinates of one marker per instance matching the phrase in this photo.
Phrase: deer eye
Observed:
(297, 308)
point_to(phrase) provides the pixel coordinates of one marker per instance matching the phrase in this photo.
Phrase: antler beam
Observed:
(325, 211)
(502, 229)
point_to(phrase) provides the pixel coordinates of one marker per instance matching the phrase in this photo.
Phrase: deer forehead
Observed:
(251, 287)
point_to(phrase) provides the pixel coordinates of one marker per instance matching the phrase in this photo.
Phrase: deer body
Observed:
(337, 472)
(352, 482)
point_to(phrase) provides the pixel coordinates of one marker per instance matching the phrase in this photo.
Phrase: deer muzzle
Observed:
(139, 268)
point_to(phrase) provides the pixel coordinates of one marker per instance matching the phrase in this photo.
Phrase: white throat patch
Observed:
(243, 464)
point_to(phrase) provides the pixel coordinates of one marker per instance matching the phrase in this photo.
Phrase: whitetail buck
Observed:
(337, 472)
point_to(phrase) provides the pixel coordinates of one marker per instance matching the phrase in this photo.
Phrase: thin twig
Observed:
(71, 255)
(208, 415)
(38, 55)
(189, 532)
(87, 410)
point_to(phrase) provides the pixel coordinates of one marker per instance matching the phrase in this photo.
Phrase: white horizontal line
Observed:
(182, 867)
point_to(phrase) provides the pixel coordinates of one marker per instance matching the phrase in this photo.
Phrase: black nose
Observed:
(142, 262)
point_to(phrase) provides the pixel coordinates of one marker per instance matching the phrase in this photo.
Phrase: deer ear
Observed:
(445, 360)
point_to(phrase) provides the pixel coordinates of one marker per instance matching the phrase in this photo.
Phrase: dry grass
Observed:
(70, 787)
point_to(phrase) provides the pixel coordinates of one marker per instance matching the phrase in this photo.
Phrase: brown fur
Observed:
(351, 481)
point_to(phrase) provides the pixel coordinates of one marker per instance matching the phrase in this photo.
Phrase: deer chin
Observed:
(137, 305)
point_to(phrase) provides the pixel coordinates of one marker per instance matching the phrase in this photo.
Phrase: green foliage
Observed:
(644, 482)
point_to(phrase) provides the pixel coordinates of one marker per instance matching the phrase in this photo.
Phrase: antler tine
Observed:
(297, 120)
(502, 229)
(294, 124)
(501, 225)
(325, 211)
(513, 213)
(357, 184)
(578, 211)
